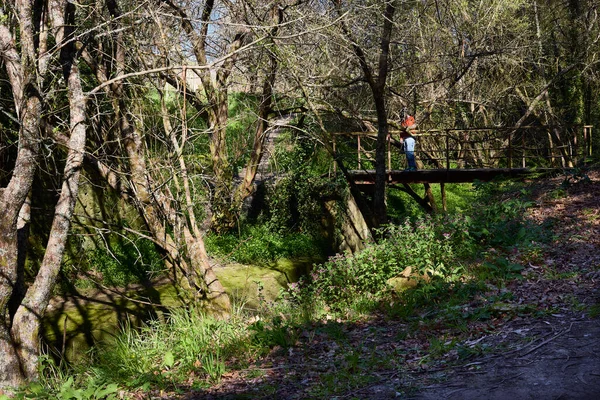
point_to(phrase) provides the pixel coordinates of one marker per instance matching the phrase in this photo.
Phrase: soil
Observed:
(542, 342)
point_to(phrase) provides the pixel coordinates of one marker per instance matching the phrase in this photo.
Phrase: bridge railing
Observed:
(476, 148)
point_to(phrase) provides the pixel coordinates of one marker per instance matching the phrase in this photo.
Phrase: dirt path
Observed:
(563, 363)
(562, 360)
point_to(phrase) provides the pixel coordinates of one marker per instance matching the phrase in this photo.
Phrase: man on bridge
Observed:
(409, 149)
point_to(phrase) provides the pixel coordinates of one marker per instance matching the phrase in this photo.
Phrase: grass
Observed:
(260, 245)
(162, 354)
(459, 197)
(594, 310)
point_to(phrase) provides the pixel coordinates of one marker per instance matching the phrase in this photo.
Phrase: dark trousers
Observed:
(410, 158)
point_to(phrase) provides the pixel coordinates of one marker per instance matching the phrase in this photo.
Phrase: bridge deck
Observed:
(367, 177)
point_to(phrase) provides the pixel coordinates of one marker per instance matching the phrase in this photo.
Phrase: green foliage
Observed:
(163, 353)
(594, 310)
(288, 224)
(428, 246)
(60, 384)
(500, 268)
(69, 391)
(436, 295)
(299, 153)
(436, 248)
(118, 262)
(127, 262)
(213, 365)
(459, 197)
(295, 202)
(241, 126)
(453, 258)
(259, 245)
(274, 332)
(500, 222)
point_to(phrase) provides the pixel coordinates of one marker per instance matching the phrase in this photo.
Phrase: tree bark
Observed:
(154, 204)
(27, 320)
(377, 85)
(245, 187)
(22, 77)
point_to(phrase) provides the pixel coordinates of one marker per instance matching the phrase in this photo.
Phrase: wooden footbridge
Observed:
(465, 155)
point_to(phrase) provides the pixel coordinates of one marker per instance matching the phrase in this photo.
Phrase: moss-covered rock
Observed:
(74, 324)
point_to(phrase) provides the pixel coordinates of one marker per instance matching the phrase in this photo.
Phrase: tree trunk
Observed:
(154, 204)
(13, 196)
(198, 276)
(377, 85)
(245, 187)
(27, 320)
(379, 197)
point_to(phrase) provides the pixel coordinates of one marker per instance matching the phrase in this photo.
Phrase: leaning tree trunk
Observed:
(221, 210)
(377, 85)
(245, 187)
(156, 210)
(215, 91)
(26, 323)
(28, 105)
(12, 199)
(153, 203)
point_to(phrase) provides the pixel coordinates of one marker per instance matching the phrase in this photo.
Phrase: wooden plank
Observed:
(367, 177)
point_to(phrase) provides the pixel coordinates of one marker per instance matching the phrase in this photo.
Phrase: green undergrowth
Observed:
(186, 346)
(458, 266)
(459, 199)
(260, 245)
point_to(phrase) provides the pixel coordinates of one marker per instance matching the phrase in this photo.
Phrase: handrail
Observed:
(458, 148)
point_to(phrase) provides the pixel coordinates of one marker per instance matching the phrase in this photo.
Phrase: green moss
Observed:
(252, 284)
(73, 325)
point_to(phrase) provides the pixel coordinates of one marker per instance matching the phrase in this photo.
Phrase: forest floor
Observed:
(541, 341)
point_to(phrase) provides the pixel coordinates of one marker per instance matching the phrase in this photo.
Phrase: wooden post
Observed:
(447, 149)
(389, 158)
(389, 155)
(574, 148)
(551, 149)
(443, 190)
(523, 145)
(510, 151)
(590, 141)
(334, 156)
(587, 139)
(585, 143)
(359, 150)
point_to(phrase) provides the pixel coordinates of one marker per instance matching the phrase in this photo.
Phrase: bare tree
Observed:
(19, 330)
(377, 81)
(21, 70)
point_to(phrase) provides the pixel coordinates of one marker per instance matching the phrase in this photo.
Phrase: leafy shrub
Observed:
(499, 220)
(259, 244)
(501, 268)
(427, 246)
(273, 332)
(501, 223)
(59, 383)
(125, 261)
(295, 202)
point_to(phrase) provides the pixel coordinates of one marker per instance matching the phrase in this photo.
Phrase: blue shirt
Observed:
(409, 144)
